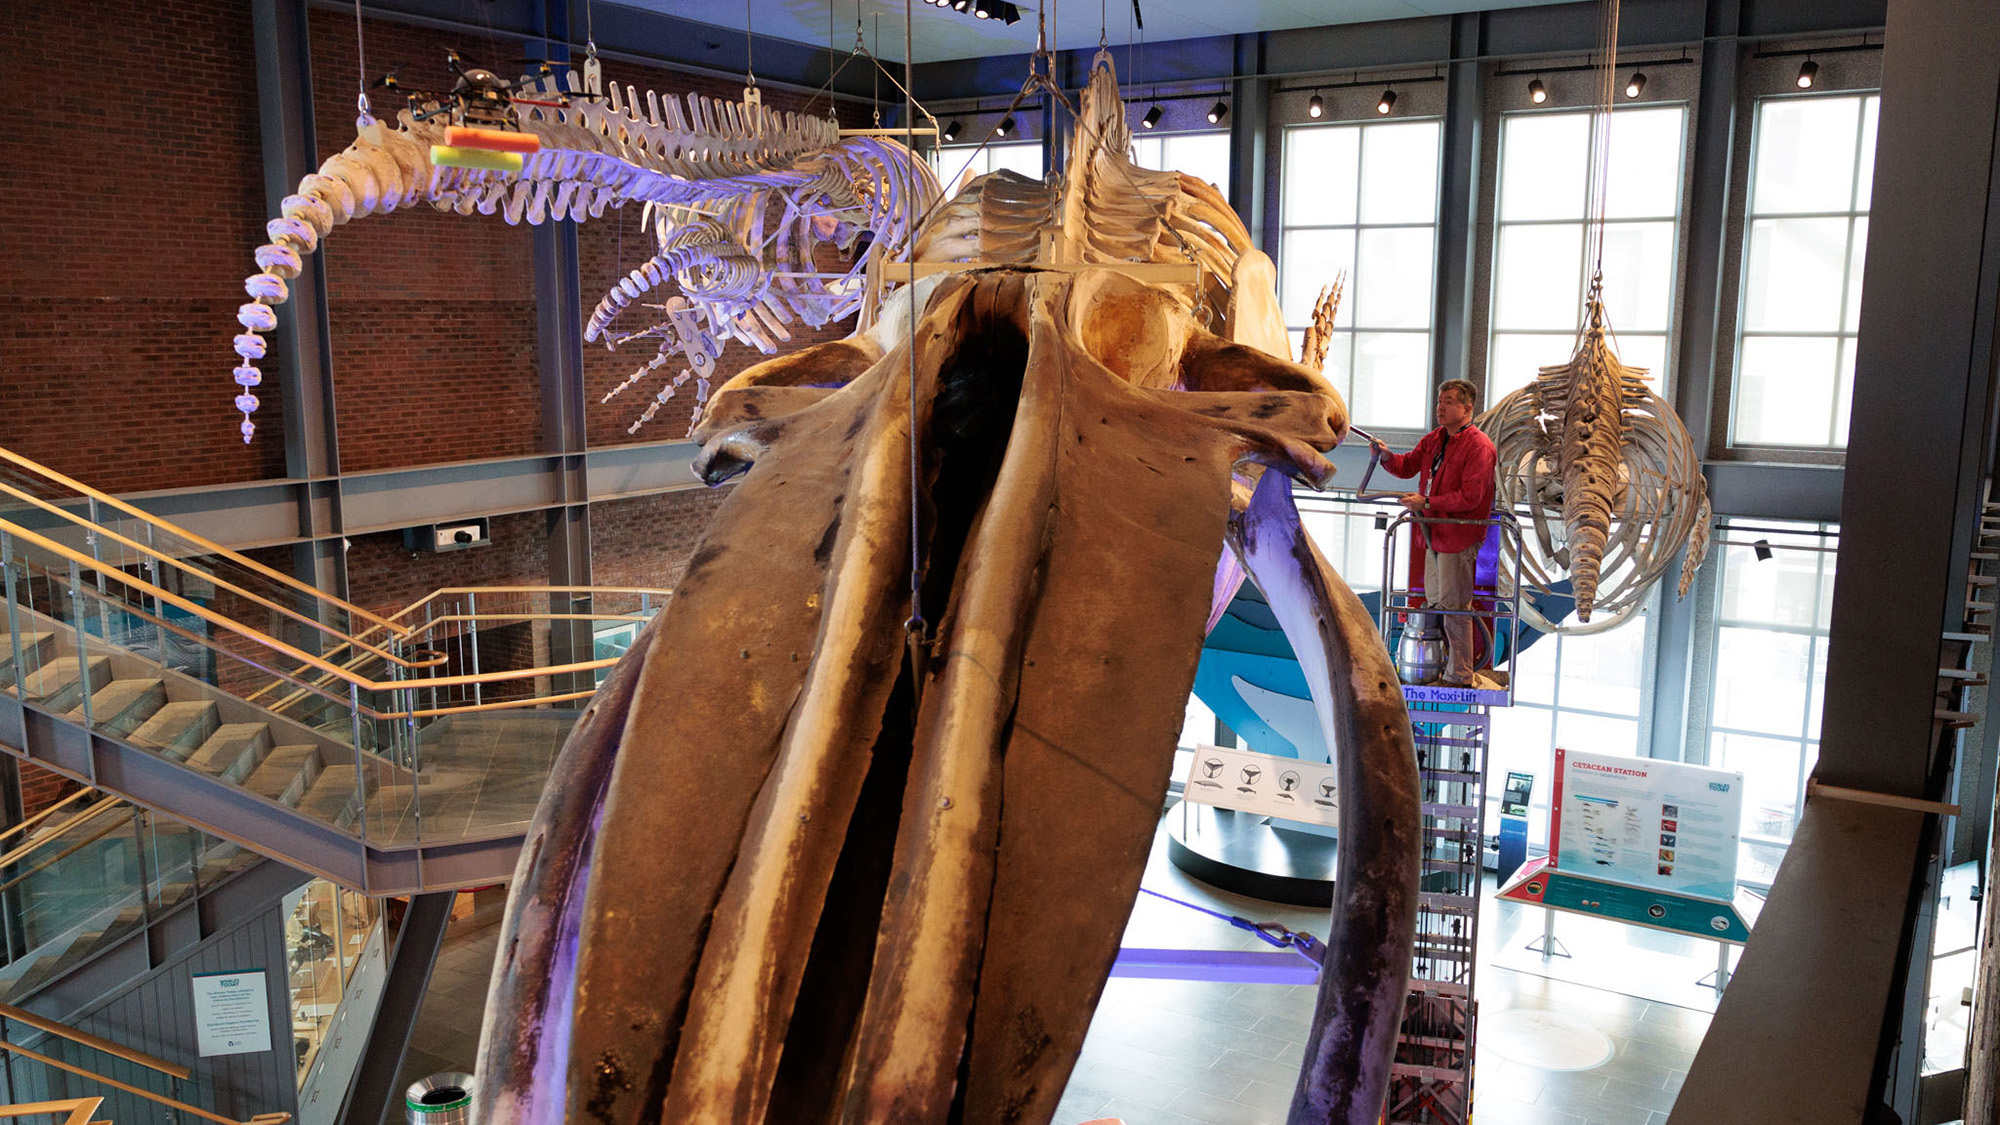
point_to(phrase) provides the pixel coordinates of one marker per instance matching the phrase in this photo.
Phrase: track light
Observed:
(960, 5)
(1152, 118)
(1009, 14)
(982, 9)
(1315, 108)
(1006, 126)
(1637, 85)
(1808, 71)
(951, 131)
(1217, 112)
(1537, 93)
(1762, 549)
(1387, 103)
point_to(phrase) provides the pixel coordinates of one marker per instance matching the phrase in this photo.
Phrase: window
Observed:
(1205, 156)
(1769, 671)
(1811, 167)
(1363, 198)
(1540, 275)
(1587, 692)
(955, 162)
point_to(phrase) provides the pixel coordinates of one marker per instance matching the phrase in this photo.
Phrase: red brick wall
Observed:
(646, 540)
(41, 788)
(383, 576)
(127, 215)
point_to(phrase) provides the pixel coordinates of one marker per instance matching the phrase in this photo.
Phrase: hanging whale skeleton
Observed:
(852, 832)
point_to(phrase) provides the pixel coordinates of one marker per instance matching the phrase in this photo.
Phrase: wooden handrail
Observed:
(80, 1110)
(195, 609)
(162, 1099)
(91, 813)
(45, 813)
(216, 580)
(116, 1050)
(64, 854)
(442, 590)
(147, 517)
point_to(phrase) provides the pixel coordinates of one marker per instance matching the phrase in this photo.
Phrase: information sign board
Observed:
(1263, 783)
(1647, 822)
(232, 1013)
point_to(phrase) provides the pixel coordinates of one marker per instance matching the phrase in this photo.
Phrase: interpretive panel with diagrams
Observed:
(1665, 825)
(1263, 783)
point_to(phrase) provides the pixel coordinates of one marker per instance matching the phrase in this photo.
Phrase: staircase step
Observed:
(58, 686)
(233, 750)
(37, 649)
(178, 728)
(332, 798)
(122, 706)
(285, 774)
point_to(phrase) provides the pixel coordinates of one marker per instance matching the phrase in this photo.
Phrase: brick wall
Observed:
(646, 540)
(41, 788)
(128, 214)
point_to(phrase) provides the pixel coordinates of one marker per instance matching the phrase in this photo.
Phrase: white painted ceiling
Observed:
(940, 33)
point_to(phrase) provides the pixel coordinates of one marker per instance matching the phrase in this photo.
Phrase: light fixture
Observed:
(960, 5)
(951, 131)
(1808, 70)
(1217, 112)
(982, 9)
(1315, 108)
(1152, 118)
(1537, 93)
(1637, 85)
(1010, 14)
(1762, 549)
(1006, 126)
(1387, 103)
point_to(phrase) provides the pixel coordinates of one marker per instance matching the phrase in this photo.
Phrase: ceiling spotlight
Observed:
(1152, 118)
(1010, 14)
(1006, 126)
(1217, 112)
(1762, 549)
(1637, 85)
(960, 5)
(951, 131)
(982, 9)
(1315, 108)
(1537, 93)
(1387, 103)
(1808, 71)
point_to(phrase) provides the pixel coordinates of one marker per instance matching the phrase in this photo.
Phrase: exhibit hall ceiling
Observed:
(940, 33)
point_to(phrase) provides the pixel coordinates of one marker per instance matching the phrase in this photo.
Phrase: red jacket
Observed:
(1463, 488)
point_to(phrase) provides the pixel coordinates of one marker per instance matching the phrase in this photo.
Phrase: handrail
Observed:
(44, 814)
(420, 602)
(347, 639)
(64, 854)
(116, 1050)
(260, 1119)
(147, 517)
(80, 1110)
(412, 685)
(91, 813)
(195, 609)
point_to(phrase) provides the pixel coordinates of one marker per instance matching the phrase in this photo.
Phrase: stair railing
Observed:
(126, 1087)
(75, 1111)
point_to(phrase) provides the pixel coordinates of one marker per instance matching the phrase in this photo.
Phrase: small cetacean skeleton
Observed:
(1609, 477)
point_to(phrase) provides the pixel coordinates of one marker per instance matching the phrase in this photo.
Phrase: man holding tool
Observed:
(1454, 466)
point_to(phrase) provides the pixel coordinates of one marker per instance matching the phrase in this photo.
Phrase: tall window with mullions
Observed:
(1363, 198)
(1812, 166)
(1540, 271)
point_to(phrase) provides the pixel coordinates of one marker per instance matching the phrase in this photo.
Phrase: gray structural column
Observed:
(1249, 118)
(303, 342)
(559, 336)
(373, 1096)
(1707, 227)
(1458, 203)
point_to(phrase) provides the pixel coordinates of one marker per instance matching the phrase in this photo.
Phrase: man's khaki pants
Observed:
(1448, 582)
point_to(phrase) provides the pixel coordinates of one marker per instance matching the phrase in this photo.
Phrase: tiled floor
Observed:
(1193, 1053)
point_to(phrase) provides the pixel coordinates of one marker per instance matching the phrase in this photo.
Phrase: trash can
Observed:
(441, 1099)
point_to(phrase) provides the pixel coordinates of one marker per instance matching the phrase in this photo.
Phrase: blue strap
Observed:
(1272, 933)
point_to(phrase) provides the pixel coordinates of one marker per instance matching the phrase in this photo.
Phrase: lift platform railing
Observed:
(1496, 606)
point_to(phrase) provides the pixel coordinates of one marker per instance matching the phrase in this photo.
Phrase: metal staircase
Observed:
(394, 755)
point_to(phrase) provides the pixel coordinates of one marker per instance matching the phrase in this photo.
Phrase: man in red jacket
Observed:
(1454, 467)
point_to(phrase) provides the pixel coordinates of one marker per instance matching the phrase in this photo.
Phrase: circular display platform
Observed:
(1250, 854)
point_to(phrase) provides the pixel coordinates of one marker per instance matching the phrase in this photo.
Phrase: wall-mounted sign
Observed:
(1647, 822)
(232, 1013)
(1263, 784)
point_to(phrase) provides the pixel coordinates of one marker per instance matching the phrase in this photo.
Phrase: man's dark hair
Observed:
(1466, 392)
